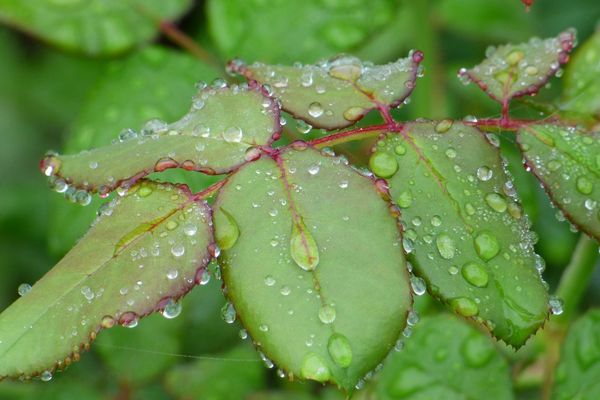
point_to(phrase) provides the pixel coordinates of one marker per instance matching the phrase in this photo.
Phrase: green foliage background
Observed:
(76, 94)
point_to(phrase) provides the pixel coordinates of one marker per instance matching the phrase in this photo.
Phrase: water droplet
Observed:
(46, 376)
(475, 274)
(314, 169)
(178, 250)
(400, 150)
(172, 309)
(302, 126)
(405, 199)
(418, 285)
(496, 202)
(514, 57)
(413, 318)
(23, 289)
(445, 245)
(285, 290)
(383, 164)
(556, 305)
(172, 274)
(202, 276)
(269, 280)
(313, 367)
(243, 334)
(228, 313)
(486, 246)
(345, 67)
(227, 231)
(264, 328)
(464, 306)
(327, 314)
(354, 113)
(107, 322)
(584, 185)
(144, 191)
(443, 126)
(315, 109)
(129, 319)
(484, 173)
(303, 247)
(233, 134)
(340, 350)
(531, 70)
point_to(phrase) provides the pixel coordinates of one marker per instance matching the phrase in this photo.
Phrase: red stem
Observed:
(209, 191)
(355, 134)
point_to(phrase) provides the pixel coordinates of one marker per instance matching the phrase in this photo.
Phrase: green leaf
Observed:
(511, 71)
(567, 162)
(92, 27)
(260, 30)
(152, 83)
(338, 92)
(228, 376)
(581, 84)
(444, 359)
(322, 303)
(473, 246)
(210, 138)
(142, 254)
(576, 375)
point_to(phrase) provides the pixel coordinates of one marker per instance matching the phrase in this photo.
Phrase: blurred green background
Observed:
(74, 73)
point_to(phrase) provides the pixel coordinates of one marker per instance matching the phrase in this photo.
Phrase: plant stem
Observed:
(354, 134)
(180, 38)
(209, 191)
(576, 277)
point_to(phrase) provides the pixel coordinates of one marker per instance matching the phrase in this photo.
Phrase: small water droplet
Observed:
(233, 134)
(464, 306)
(584, 185)
(484, 173)
(172, 309)
(315, 109)
(313, 367)
(475, 274)
(556, 305)
(486, 246)
(443, 126)
(327, 314)
(496, 202)
(383, 164)
(445, 245)
(178, 250)
(23, 289)
(46, 376)
(340, 350)
(418, 285)
(228, 313)
(303, 247)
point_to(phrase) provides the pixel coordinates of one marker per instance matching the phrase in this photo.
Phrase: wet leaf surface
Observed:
(142, 254)
(516, 70)
(567, 162)
(464, 227)
(317, 271)
(338, 92)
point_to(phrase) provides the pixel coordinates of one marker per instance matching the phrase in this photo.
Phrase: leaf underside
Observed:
(316, 271)
(337, 92)
(473, 247)
(445, 359)
(210, 139)
(92, 27)
(567, 162)
(576, 375)
(140, 256)
(517, 70)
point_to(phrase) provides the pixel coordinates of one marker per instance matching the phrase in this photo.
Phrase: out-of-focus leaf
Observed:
(136, 356)
(220, 132)
(338, 92)
(581, 84)
(567, 162)
(486, 20)
(260, 30)
(141, 255)
(444, 359)
(227, 376)
(577, 373)
(473, 247)
(511, 70)
(317, 296)
(153, 83)
(92, 27)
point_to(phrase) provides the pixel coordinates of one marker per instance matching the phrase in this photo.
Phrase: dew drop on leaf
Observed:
(475, 274)
(496, 202)
(233, 134)
(584, 185)
(486, 246)
(445, 245)
(340, 350)
(228, 313)
(226, 229)
(484, 173)
(383, 164)
(556, 305)
(315, 109)
(464, 306)
(443, 126)
(172, 309)
(303, 247)
(327, 314)
(46, 376)
(313, 367)
(23, 289)
(418, 285)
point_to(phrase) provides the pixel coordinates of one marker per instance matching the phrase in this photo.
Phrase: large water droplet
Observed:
(418, 285)
(475, 274)
(313, 367)
(228, 313)
(383, 164)
(405, 199)
(556, 305)
(464, 306)
(486, 245)
(443, 126)
(227, 231)
(233, 134)
(445, 245)
(344, 67)
(584, 185)
(484, 173)
(340, 350)
(327, 314)
(23, 289)
(172, 309)
(315, 109)
(496, 202)
(303, 247)
(46, 376)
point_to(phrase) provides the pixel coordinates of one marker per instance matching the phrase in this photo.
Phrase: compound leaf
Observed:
(92, 27)
(576, 375)
(142, 254)
(511, 71)
(247, 29)
(473, 248)
(445, 358)
(338, 92)
(567, 162)
(210, 138)
(581, 84)
(312, 295)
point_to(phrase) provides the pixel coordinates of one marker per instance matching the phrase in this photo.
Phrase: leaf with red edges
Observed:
(211, 138)
(143, 253)
(567, 162)
(511, 70)
(338, 92)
